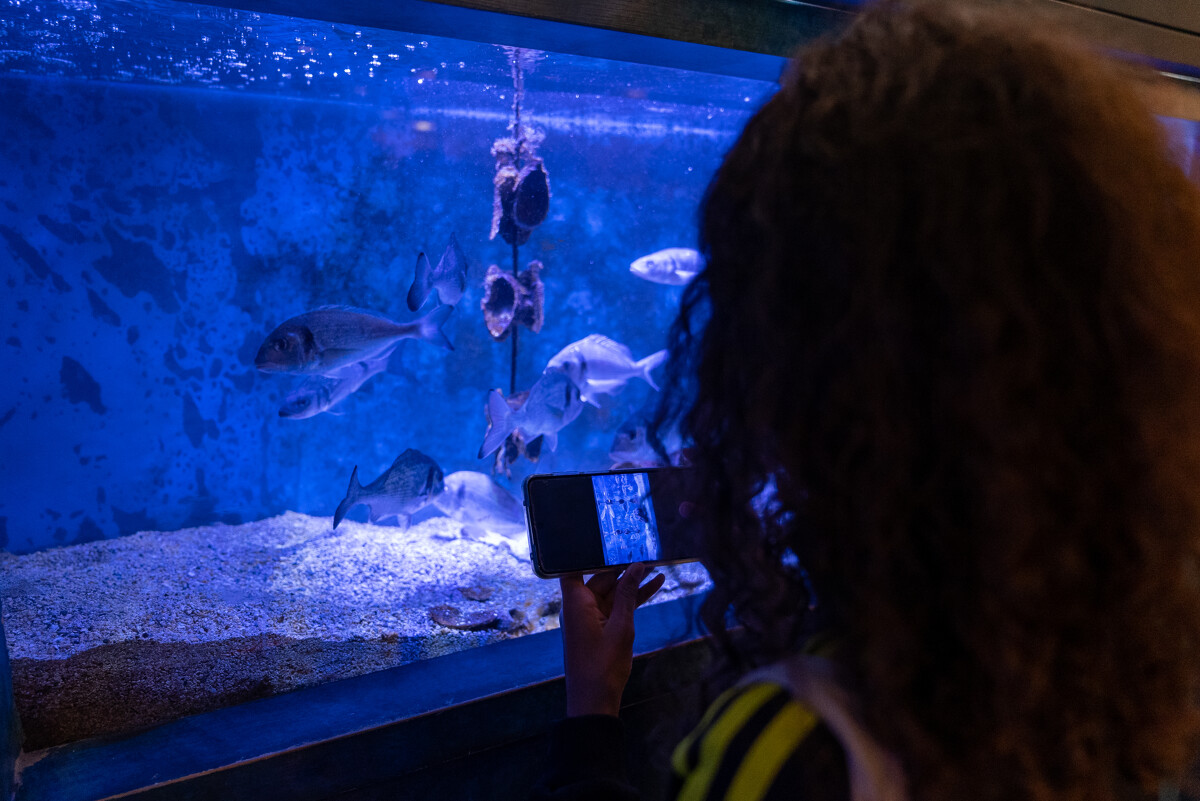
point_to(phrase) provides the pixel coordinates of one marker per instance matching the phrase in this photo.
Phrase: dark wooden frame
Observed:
(722, 36)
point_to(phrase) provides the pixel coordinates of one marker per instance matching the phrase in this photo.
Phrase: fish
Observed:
(552, 405)
(601, 366)
(672, 266)
(326, 340)
(488, 512)
(318, 393)
(633, 449)
(631, 445)
(448, 279)
(408, 486)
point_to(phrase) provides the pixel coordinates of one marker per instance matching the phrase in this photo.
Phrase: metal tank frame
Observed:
(473, 722)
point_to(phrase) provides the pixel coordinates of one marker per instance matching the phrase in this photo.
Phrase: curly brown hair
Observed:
(942, 376)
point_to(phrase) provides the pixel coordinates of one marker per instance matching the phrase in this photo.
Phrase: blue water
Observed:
(176, 181)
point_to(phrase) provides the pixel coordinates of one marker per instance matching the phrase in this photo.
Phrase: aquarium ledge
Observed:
(463, 724)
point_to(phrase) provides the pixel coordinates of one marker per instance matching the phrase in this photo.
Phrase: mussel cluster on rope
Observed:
(521, 201)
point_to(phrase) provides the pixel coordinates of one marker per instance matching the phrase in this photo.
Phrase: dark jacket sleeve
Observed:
(586, 762)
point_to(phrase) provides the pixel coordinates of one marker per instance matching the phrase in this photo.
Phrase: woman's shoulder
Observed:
(758, 741)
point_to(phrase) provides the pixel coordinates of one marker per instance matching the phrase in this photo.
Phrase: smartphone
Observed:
(588, 522)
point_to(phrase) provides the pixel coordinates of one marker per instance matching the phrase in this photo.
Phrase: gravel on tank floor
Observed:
(114, 635)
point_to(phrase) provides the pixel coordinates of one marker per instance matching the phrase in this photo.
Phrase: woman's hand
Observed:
(597, 630)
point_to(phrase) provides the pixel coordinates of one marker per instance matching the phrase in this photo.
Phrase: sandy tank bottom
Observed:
(115, 635)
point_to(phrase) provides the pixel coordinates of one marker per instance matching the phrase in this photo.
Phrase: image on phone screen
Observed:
(628, 529)
(586, 522)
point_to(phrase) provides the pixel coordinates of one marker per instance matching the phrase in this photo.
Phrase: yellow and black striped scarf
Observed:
(757, 742)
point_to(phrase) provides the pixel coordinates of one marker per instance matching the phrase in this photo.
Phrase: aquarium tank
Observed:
(290, 310)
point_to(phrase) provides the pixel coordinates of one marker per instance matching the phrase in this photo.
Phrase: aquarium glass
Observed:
(178, 184)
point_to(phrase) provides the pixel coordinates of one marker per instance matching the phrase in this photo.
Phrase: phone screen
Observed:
(589, 521)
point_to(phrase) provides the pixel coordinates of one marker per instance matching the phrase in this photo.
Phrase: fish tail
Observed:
(419, 290)
(351, 499)
(429, 327)
(499, 423)
(649, 363)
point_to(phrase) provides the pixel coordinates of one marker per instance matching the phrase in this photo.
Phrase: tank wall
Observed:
(150, 238)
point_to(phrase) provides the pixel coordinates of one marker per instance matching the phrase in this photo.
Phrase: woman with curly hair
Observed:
(941, 374)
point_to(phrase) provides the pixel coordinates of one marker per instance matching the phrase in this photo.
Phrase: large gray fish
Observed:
(672, 266)
(318, 393)
(486, 510)
(324, 341)
(552, 404)
(406, 487)
(601, 366)
(449, 278)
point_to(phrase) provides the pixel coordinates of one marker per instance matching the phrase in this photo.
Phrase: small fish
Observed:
(552, 404)
(324, 341)
(601, 366)
(487, 511)
(631, 446)
(673, 266)
(318, 393)
(407, 486)
(448, 279)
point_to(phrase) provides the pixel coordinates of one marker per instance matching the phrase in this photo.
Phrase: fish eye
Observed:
(280, 345)
(302, 403)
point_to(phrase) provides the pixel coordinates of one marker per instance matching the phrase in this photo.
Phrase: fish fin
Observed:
(551, 440)
(409, 454)
(499, 423)
(351, 499)
(418, 293)
(430, 327)
(603, 343)
(473, 532)
(533, 449)
(649, 363)
(430, 480)
(452, 273)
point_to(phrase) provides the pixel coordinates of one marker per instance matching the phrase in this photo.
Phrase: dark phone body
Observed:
(589, 522)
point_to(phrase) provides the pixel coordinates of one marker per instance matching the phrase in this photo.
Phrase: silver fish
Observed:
(324, 341)
(487, 511)
(406, 487)
(552, 404)
(318, 393)
(672, 266)
(449, 278)
(601, 366)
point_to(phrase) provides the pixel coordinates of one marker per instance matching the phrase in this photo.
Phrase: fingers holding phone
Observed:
(597, 630)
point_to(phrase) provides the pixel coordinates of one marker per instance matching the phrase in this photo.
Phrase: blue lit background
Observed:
(177, 180)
